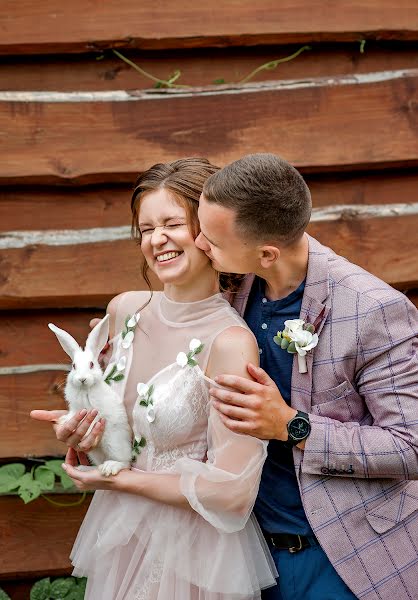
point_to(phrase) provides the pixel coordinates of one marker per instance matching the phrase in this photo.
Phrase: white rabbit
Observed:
(86, 388)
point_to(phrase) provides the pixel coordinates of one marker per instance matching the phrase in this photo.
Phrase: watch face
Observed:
(299, 428)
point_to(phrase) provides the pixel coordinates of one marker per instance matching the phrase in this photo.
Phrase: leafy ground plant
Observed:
(29, 485)
(63, 588)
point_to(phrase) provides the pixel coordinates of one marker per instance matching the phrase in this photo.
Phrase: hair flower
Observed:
(298, 338)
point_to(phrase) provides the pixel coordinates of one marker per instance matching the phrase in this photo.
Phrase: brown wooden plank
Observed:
(413, 296)
(37, 537)
(202, 67)
(51, 26)
(25, 338)
(32, 208)
(90, 274)
(319, 125)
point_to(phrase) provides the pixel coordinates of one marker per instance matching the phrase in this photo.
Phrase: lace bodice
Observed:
(179, 428)
(171, 418)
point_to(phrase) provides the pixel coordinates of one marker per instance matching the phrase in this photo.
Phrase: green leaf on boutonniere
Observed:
(292, 348)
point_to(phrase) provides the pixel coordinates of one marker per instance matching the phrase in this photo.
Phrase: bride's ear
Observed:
(268, 255)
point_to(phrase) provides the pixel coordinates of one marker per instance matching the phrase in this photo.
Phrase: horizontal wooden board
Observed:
(37, 537)
(32, 208)
(79, 26)
(90, 274)
(201, 67)
(317, 125)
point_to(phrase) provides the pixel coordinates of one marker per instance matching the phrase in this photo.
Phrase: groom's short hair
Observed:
(269, 196)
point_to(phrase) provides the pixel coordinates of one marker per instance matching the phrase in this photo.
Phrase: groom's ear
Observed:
(268, 255)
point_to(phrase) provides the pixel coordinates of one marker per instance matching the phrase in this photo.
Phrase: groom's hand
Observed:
(255, 407)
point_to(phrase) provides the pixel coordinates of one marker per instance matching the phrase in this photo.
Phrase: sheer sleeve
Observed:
(223, 489)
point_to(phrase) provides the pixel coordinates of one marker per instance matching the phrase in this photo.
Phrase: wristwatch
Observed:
(298, 428)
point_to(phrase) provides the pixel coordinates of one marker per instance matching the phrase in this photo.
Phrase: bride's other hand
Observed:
(74, 431)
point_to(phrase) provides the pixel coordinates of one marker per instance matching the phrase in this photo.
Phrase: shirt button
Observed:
(260, 351)
(264, 300)
(264, 326)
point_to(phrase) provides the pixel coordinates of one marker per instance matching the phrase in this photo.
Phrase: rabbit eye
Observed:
(91, 364)
(73, 365)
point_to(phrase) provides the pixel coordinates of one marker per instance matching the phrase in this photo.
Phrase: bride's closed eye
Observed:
(149, 230)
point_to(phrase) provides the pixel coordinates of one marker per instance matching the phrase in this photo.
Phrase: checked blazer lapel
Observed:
(315, 311)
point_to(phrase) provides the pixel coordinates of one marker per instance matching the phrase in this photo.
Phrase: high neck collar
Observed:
(182, 313)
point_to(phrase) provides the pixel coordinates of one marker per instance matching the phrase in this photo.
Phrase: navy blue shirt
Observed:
(278, 507)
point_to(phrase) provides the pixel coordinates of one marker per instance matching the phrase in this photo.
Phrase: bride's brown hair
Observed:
(184, 179)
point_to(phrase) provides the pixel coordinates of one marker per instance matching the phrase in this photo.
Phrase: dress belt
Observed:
(290, 541)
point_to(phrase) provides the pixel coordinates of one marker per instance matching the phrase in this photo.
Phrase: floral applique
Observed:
(137, 446)
(184, 359)
(145, 393)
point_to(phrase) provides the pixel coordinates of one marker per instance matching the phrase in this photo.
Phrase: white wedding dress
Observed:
(134, 548)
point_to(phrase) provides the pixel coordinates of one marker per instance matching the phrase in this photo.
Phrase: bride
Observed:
(178, 524)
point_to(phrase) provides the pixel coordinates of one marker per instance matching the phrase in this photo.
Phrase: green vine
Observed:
(170, 82)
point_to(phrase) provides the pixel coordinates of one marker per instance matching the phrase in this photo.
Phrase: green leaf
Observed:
(118, 377)
(41, 590)
(61, 587)
(45, 477)
(192, 362)
(3, 595)
(55, 466)
(292, 348)
(29, 489)
(284, 344)
(15, 470)
(66, 481)
(143, 403)
(199, 349)
(159, 84)
(277, 340)
(7, 483)
(218, 81)
(142, 442)
(151, 390)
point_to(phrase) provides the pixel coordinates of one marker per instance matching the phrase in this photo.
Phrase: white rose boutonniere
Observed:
(298, 338)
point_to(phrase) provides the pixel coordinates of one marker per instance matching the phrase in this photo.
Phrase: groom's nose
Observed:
(202, 243)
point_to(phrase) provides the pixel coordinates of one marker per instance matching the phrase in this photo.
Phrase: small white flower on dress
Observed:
(133, 320)
(128, 339)
(150, 414)
(194, 344)
(121, 364)
(182, 359)
(142, 389)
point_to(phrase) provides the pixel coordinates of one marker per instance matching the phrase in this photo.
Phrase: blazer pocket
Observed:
(394, 510)
(342, 403)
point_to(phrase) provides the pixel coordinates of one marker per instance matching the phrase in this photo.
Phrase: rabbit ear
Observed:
(98, 336)
(67, 342)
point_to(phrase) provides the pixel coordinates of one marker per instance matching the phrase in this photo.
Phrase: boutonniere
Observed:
(298, 338)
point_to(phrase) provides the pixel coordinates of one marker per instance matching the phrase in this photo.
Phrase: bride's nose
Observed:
(159, 236)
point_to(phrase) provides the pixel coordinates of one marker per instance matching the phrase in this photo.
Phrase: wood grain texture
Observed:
(37, 537)
(201, 67)
(91, 274)
(45, 208)
(52, 26)
(318, 126)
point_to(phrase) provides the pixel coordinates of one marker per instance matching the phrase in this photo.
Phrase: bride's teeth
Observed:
(167, 256)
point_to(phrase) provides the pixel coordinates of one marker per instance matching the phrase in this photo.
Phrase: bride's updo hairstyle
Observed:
(184, 179)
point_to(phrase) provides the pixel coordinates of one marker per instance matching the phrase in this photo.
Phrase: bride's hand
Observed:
(90, 479)
(73, 432)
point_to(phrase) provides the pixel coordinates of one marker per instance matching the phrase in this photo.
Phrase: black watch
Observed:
(298, 428)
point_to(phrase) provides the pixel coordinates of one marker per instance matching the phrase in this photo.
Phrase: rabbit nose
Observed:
(82, 381)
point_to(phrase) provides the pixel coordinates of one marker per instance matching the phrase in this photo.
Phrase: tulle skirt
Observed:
(132, 548)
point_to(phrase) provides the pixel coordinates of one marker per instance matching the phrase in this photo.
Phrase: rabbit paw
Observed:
(111, 467)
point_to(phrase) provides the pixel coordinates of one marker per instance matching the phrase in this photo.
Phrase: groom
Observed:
(338, 500)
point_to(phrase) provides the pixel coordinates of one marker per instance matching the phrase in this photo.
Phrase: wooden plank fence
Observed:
(77, 124)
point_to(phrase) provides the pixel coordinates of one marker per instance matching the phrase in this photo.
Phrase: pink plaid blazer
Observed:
(358, 474)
